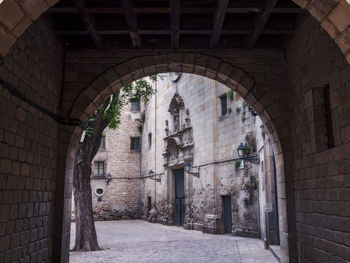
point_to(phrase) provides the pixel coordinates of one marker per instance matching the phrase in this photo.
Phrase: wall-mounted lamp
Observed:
(109, 178)
(188, 168)
(152, 176)
(242, 152)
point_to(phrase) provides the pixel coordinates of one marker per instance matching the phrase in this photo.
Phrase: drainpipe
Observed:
(215, 147)
(155, 138)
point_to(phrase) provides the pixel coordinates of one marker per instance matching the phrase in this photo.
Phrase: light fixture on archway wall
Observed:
(188, 167)
(152, 176)
(242, 152)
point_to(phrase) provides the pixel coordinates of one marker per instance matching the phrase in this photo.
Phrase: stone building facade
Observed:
(63, 87)
(186, 122)
(119, 155)
(190, 120)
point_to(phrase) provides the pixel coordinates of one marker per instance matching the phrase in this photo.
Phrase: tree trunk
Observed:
(85, 238)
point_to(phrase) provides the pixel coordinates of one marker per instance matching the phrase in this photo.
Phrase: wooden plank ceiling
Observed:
(184, 24)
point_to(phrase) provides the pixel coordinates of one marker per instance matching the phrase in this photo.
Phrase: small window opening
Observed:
(99, 191)
(99, 168)
(135, 143)
(150, 140)
(135, 105)
(223, 100)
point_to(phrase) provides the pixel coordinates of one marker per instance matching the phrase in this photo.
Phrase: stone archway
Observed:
(112, 79)
(16, 17)
(331, 14)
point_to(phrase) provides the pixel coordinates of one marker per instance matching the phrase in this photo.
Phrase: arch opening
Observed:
(236, 79)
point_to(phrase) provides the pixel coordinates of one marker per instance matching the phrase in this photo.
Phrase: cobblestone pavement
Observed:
(137, 241)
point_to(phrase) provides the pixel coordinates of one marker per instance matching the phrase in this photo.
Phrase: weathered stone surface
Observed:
(140, 240)
(10, 14)
(340, 15)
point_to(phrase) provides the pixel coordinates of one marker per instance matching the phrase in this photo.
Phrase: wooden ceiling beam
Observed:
(131, 20)
(175, 23)
(166, 10)
(260, 22)
(88, 23)
(218, 22)
(289, 10)
(181, 32)
(154, 10)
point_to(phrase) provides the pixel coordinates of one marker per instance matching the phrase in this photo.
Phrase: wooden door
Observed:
(179, 214)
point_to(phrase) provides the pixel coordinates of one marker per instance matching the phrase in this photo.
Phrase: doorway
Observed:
(179, 213)
(226, 203)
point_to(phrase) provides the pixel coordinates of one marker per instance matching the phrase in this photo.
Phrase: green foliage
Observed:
(139, 90)
(156, 77)
(238, 109)
(238, 163)
(231, 94)
(112, 112)
(143, 117)
(247, 150)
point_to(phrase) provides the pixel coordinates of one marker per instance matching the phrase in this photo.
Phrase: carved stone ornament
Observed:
(175, 108)
(179, 141)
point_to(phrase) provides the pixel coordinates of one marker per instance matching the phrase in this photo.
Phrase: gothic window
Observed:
(135, 143)
(135, 105)
(99, 168)
(175, 108)
(223, 100)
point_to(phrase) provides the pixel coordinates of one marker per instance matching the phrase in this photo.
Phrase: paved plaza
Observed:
(137, 241)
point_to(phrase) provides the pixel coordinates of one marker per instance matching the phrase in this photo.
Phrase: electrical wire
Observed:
(16, 93)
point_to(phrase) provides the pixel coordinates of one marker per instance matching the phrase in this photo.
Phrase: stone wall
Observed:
(28, 146)
(216, 138)
(321, 177)
(121, 197)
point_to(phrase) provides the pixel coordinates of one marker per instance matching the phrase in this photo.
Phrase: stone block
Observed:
(10, 14)
(343, 41)
(339, 16)
(22, 26)
(6, 40)
(330, 28)
(33, 8)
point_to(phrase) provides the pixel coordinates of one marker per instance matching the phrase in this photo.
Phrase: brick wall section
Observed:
(322, 181)
(28, 147)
